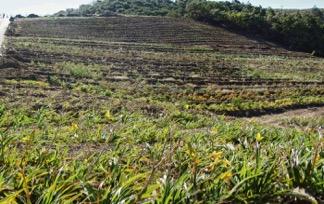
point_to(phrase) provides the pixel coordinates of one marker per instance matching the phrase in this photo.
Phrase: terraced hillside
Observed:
(127, 109)
(212, 68)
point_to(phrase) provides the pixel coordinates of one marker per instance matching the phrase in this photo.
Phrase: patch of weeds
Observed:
(79, 70)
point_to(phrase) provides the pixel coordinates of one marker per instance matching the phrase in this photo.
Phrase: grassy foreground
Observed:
(117, 156)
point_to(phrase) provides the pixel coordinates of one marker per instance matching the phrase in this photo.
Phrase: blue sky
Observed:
(299, 4)
(51, 6)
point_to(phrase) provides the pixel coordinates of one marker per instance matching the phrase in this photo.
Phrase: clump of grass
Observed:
(78, 70)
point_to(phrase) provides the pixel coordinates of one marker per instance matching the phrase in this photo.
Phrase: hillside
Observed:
(165, 50)
(157, 30)
(154, 110)
(301, 30)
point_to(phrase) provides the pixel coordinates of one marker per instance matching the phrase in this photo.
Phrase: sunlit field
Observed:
(156, 110)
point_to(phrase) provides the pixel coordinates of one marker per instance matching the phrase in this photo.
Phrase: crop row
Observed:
(302, 68)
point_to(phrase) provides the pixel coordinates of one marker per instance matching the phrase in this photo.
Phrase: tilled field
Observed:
(210, 68)
(144, 30)
(143, 96)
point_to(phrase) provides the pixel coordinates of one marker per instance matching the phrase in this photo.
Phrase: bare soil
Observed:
(276, 119)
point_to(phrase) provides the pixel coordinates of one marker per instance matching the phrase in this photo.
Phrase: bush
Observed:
(32, 16)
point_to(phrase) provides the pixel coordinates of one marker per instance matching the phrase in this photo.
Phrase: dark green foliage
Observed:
(301, 31)
(19, 16)
(298, 30)
(32, 16)
(130, 7)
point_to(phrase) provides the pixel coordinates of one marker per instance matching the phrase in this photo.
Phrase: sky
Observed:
(43, 7)
(40, 7)
(293, 4)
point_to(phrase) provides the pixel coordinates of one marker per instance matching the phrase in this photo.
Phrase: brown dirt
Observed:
(276, 119)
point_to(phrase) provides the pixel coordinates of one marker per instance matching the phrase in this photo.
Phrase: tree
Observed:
(182, 4)
(32, 16)
(19, 16)
(317, 12)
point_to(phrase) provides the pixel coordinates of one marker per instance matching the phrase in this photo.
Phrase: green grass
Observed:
(103, 155)
(78, 70)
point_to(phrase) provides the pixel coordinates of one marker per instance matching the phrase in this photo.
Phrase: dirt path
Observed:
(276, 119)
(4, 22)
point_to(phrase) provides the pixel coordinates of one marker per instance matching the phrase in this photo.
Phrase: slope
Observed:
(207, 67)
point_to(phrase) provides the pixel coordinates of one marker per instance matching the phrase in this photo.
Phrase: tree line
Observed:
(301, 30)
